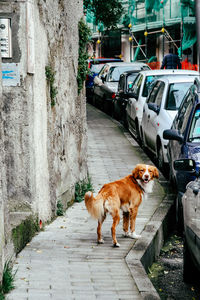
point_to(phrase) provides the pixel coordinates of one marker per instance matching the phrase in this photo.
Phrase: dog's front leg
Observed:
(133, 215)
(126, 223)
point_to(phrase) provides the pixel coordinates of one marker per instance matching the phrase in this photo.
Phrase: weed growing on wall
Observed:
(50, 76)
(84, 37)
(81, 188)
(7, 280)
(60, 209)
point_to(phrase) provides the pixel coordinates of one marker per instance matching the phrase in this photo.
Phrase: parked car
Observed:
(106, 83)
(191, 213)
(95, 65)
(140, 90)
(184, 142)
(124, 92)
(159, 112)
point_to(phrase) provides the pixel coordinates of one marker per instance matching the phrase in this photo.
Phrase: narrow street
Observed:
(64, 261)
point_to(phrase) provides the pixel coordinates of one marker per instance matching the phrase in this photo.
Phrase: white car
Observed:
(140, 90)
(159, 112)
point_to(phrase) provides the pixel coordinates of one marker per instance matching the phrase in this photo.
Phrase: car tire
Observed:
(190, 272)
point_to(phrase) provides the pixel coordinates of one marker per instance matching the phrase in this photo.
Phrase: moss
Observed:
(81, 188)
(24, 232)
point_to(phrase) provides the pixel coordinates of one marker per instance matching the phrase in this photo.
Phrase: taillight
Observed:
(87, 77)
(113, 95)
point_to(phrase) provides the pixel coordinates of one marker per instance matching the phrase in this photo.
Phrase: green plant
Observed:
(84, 37)
(81, 188)
(60, 210)
(7, 280)
(106, 12)
(50, 76)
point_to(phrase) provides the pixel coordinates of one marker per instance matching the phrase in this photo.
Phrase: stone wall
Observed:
(45, 142)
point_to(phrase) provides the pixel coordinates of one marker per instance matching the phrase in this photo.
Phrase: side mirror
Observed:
(187, 165)
(172, 134)
(154, 107)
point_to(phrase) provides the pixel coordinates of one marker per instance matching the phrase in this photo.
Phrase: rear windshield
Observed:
(149, 80)
(96, 68)
(130, 80)
(176, 93)
(115, 72)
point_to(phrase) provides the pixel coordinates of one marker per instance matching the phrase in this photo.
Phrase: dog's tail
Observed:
(94, 205)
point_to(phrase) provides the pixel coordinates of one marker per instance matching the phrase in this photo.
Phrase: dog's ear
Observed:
(156, 174)
(135, 172)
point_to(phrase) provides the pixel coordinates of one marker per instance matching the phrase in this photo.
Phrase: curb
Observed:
(147, 248)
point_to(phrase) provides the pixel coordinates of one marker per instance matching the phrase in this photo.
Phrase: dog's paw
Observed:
(101, 241)
(133, 235)
(116, 245)
(126, 234)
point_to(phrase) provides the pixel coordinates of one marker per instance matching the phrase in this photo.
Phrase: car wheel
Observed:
(160, 157)
(190, 272)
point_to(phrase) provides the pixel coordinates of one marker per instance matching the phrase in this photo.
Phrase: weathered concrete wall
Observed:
(1, 194)
(45, 145)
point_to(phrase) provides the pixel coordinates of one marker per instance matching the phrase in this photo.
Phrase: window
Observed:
(194, 135)
(153, 93)
(158, 98)
(184, 113)
(176, 94)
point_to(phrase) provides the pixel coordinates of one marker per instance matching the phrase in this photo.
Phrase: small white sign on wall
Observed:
(10, 74)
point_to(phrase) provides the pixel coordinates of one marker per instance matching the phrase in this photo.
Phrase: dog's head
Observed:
(145, 173)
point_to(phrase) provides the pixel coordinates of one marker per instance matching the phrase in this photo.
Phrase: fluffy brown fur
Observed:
(125, 194)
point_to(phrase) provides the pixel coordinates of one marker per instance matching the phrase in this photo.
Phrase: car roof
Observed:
(101, 60)
(122, 64)
(169, 72)
(178, 78)
(129, 72)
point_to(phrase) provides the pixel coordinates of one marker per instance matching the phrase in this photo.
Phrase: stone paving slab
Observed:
(64, 261)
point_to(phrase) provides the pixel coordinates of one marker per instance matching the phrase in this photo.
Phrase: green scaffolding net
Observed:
(164, 13)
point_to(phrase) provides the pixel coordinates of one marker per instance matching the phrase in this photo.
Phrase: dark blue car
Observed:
(95, 65)
(184, 142)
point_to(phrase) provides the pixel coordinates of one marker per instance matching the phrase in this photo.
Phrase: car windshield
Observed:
(194, 135)
(130, 80)
(96, 68)
(176, 93)
(149, 80)
(115, 72)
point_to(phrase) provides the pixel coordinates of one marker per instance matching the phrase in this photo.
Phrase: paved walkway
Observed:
(64, 262)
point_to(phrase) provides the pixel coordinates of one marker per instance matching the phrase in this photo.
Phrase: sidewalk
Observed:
(64, 261)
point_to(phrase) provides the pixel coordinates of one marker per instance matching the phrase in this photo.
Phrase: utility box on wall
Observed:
(6, 38)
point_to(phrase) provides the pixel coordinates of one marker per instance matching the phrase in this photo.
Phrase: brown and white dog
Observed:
(125, 194)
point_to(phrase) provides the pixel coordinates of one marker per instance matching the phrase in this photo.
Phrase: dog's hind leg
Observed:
(116, 219)
(126, 222)
(99, 235)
